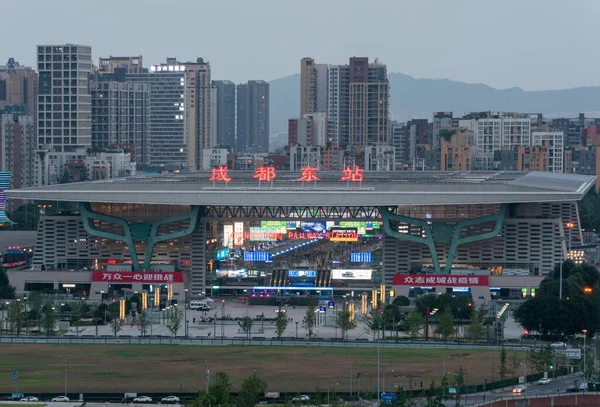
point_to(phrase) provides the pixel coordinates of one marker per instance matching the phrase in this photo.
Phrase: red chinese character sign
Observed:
(219, 174)
(309, 174)
(434, 280)
(265, 174)
(137, 277)
(354, 174)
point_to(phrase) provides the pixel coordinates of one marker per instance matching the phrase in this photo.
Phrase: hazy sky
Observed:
(533, 44)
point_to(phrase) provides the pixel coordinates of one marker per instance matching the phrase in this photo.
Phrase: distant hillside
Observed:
(418, 98)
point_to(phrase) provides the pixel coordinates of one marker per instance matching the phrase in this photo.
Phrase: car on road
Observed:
(170, 400)
(30, 398)
(302, 397)
(6, 398)
(519, 390)
(60, 398)
(142, 399)
(544, 380)
(583, 386)
(559, 345)
(572, 389)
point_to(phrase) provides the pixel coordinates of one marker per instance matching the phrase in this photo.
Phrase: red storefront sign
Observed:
(430, 280)
(135, 277)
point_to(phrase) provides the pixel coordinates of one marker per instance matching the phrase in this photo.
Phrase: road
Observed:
(558, 386)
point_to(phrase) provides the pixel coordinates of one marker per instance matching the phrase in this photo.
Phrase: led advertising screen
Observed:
(222, 254)
(317, 227)
(349, 274)
(360, 257)
(263, 234)
(343, 235)
(279, 225)
(228, 236)
(238, 234)
(241, 273)
(257, 256)
(302, 273)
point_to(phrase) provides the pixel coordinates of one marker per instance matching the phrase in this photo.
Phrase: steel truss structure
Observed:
(293, 212)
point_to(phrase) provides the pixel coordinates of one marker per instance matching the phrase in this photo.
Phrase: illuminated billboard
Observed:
(264, 234)
(279, 225)
(360, 257)
(241, 273)
(344, 235)
(349, 274)
(302, 273)
(228, 236)
(317, 227)
(257, 256)
(238, 234)
(222, 254)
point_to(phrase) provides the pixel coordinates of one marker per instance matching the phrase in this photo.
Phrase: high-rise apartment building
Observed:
(532, 158)
(121, 116)
(369, 103)
(441, 120)
(64, 105)
(554, 141)
(179, 112)
(313, 87)
(18, 86)
(167, 145)
(17, 146)
(225, 113)
(197, 111)
(253, 117)
(499, 133)
(131, 64)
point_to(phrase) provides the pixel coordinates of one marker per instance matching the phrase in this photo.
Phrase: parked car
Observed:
(572, 389)
(583, 386)
(544, 380)
(519, 390)
(302, 397)
(142, 399)
(60, 398)
(6, 398)
(170, 400)
(559, 345)
(30, 398)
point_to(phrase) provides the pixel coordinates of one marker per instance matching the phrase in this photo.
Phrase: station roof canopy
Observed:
(377, 189)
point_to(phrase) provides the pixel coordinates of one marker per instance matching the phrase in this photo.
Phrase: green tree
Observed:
(445, 324)
(433, 398)
(401, 301)
(540, 360)
(252, 389)
(281, 322)
(391, 317)
(49, 320)
(203, 400)
(15, 317)
(414, 323)
(174, 320)
(220, 388)
(344, 322)
(116, 323)
(373, 323)
(310, 321)
(459, 382)
(246, 325)
(7, 291)
(143, 323)
(475, 327)
(503, 368)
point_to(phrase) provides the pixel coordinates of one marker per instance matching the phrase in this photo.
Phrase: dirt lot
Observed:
(145, 368)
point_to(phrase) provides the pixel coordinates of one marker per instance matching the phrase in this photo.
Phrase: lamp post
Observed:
(350, 360)
(185, 312)
(26, 316)
(328, 389)
(65, 376)
(392, 371)
(584, 354)
(296, 329)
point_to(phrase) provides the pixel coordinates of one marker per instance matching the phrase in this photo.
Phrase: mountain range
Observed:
(412, 98)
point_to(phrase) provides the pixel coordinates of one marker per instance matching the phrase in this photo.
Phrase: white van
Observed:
(200, 305)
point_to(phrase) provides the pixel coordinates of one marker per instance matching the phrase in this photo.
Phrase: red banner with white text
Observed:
(433, 280)
(137, 277)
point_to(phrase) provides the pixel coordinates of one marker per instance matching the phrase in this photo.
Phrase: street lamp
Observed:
(65, 376)
(185, 312)
(328, 388)
(296, 329)
(584, 353)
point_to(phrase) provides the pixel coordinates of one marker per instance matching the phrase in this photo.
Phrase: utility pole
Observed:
(65, 376)
(350, 378)
(207, 376)
(378, 388)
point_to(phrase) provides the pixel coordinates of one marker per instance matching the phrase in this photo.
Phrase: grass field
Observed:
(163, 368)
